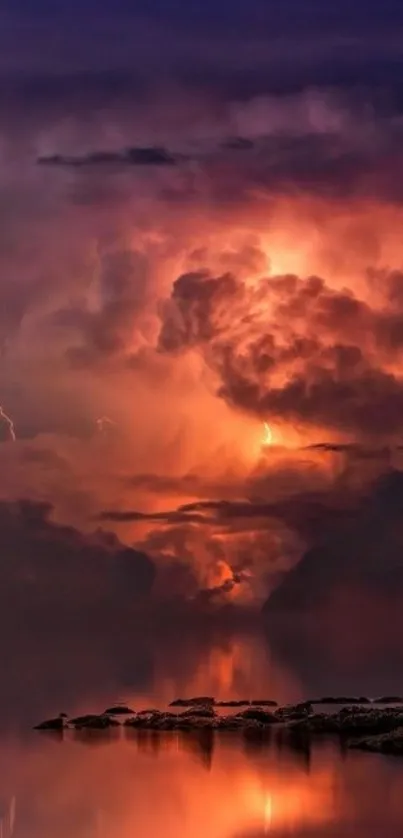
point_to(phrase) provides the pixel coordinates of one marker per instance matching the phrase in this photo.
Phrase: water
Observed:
(170, 786)
(142, 785)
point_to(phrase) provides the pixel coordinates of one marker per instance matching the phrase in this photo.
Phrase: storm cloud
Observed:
(191, 256)
(295, 349)
(151, 156)
(47, 566)
(358, 559)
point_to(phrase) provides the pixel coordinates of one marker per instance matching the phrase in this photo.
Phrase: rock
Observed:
(242, 724)
(142, 717)
(294, 712)
(147, 712)
(190, 720)
(189, 702)
(195, 712)
(331, 699)
(265, 702)
(199, 718)
(95, 723)
(59, 723)
(353, 721)
(231, 703)
(118, 710)
(135, 721)
(82, 720)
(255, 714)
(151, 720)
(388, 699)
(386, 743)
(316, 723)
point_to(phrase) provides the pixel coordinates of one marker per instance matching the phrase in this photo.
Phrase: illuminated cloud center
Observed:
(267, 435)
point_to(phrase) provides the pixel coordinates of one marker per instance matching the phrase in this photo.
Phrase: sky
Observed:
(200, 233)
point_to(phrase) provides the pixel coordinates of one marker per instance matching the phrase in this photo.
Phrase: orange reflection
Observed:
(157, 785)
(116, 791)
(154, 786)
(239, 668)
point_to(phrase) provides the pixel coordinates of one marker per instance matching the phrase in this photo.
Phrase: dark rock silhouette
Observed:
(352, 721)
(118, 710)
(82, 720)
(389, 699)
(294, 712)
(387, 743)
(59, 723)
(209, 700)
(256, 714)
(94, 722)
(197, 711)
(331, 699)
(365, 725)
(189, 702)
(158, 720)
(147, 712)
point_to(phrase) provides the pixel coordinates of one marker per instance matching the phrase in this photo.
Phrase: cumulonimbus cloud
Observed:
(294, 349)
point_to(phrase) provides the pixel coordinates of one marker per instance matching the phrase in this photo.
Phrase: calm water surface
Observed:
(139, 785)
(172, 786)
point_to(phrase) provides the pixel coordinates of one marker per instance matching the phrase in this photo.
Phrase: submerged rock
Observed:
(94, 722)
(146, 712)
(118, 710)
(82, 720)
(189, 702)
(195, 712)
(158, 720)
(294, 712)
(351, 721)
(367, 724)
(386, 743)
(256, 714)
(59, 723)
(335, 699)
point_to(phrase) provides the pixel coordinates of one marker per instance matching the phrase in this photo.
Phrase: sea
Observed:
(137, 784)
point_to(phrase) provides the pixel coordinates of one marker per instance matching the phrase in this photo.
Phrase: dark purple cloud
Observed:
(48, 566)
(362, 554)
(151, 156)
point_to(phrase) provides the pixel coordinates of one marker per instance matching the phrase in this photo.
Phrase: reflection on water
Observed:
(170, 785)
(72, 669)
(7, 819)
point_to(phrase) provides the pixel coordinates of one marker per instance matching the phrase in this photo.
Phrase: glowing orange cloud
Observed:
(268, 434)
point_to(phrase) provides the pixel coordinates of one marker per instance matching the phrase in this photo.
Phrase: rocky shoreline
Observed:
(361, 723)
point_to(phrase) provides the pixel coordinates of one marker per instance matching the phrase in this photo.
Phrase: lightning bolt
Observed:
(10, 424)
(268, 434)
